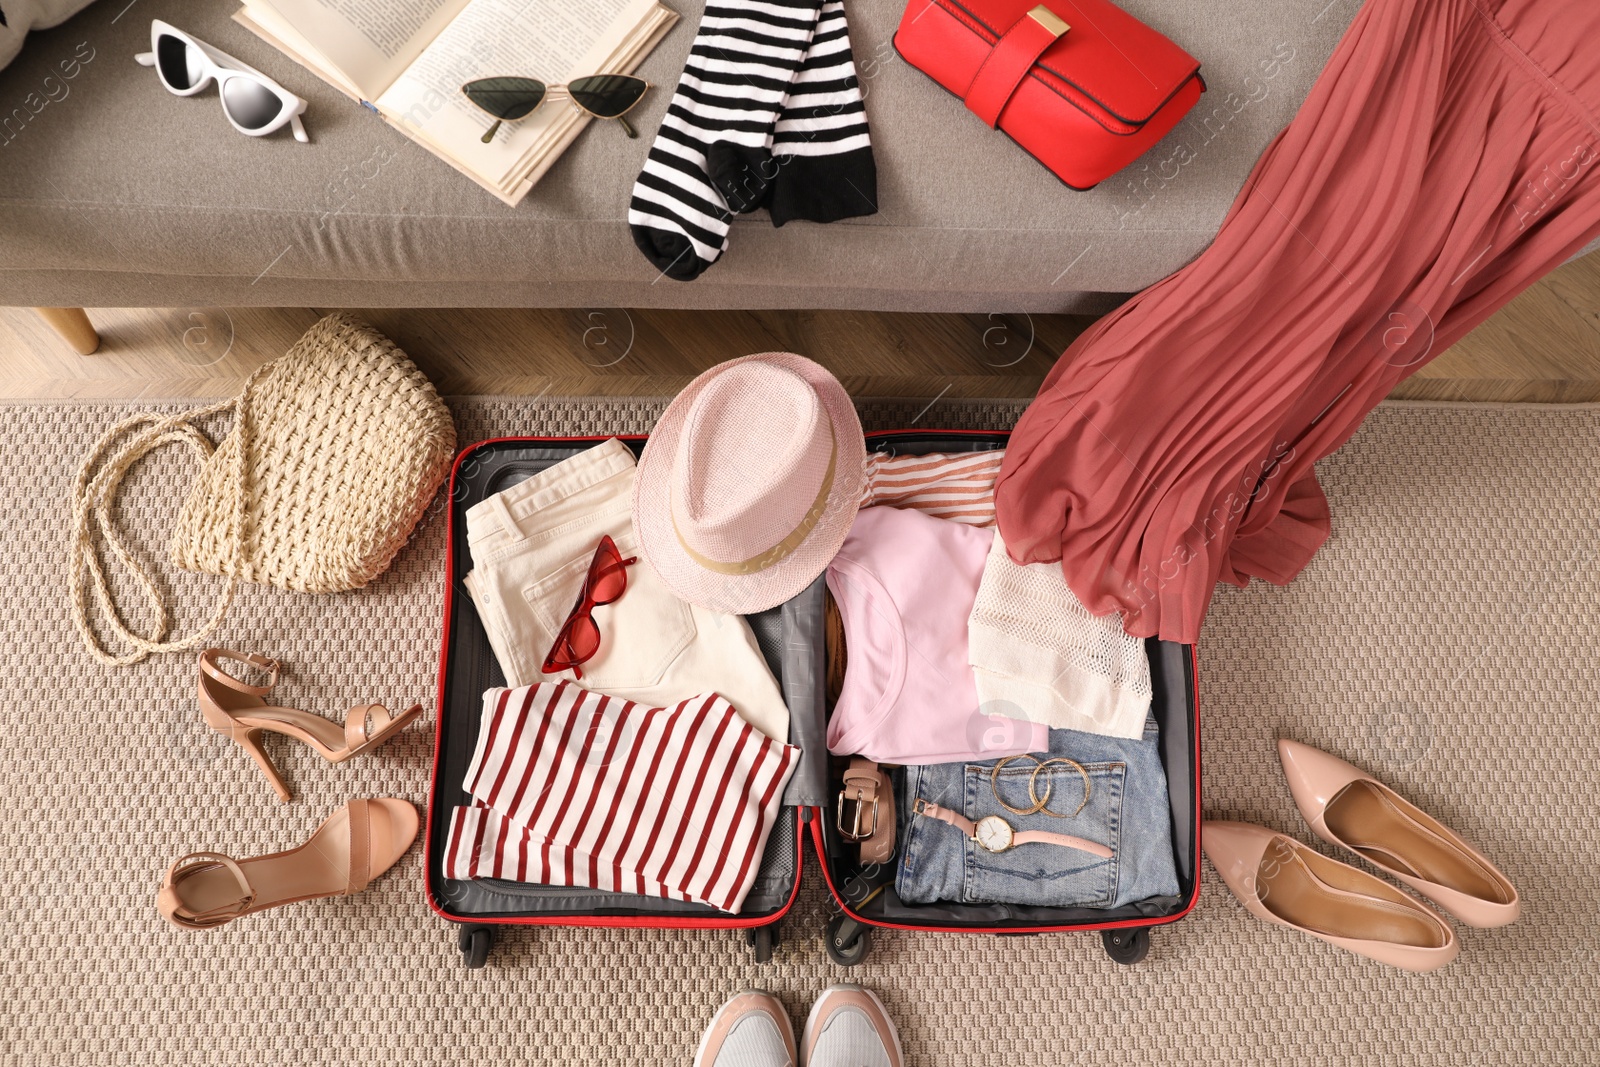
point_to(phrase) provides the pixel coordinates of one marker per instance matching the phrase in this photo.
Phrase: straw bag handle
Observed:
(94, 498)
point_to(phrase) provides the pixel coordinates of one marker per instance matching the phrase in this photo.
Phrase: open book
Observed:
(407, 60)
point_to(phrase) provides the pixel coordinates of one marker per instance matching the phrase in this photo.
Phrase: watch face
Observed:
(993, 833)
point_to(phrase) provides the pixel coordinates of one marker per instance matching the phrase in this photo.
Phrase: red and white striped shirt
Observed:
(484, 844)
(579, 788)
(949, 485)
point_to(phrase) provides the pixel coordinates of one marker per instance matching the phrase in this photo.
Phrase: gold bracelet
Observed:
(1043, 805)
(994, 787)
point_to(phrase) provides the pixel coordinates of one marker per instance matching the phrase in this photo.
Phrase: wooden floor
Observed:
(1543, 347)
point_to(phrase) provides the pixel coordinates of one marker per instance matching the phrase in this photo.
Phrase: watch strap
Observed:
(1047, 837)
(954, 818)
(1019, 837)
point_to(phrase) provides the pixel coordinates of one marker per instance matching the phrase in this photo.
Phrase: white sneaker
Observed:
(848, 1027)
(751, 1030)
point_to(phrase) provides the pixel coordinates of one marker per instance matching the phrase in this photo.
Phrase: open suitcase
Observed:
(865, 898)
(467, 667)
(791, 638)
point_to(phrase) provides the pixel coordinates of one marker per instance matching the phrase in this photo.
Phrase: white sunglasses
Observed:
(253, 102)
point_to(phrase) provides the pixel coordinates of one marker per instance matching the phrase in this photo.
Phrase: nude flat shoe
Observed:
(238, 710)
(1345, 806)
(1282, 881)
(357, 843)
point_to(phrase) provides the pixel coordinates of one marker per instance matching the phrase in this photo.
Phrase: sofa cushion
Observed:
(114, 192)
(17, 17)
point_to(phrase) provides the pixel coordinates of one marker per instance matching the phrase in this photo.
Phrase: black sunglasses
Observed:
(605, 96)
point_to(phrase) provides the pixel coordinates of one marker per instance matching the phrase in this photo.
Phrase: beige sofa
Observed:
(115, 193)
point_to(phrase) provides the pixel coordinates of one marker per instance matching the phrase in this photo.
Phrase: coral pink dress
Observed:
(1445, 159)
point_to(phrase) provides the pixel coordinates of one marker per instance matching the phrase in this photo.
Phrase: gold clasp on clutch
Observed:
(1049, 20)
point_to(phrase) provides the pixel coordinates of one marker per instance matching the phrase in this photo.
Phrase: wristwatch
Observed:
(994, 834)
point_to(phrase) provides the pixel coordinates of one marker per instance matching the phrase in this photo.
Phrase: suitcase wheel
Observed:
(848, 942)
(475, 942)
(762, 940)
(1126, 946)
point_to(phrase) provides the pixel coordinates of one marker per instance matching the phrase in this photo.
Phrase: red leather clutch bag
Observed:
(1081, 85)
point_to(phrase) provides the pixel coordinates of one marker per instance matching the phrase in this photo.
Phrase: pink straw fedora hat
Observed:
(750, 482)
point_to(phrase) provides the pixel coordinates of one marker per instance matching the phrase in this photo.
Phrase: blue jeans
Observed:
(1127, 810)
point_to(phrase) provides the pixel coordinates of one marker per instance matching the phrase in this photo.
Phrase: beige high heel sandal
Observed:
(237, 709)
(356, 844)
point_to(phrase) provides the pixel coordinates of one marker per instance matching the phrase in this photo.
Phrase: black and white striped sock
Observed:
(732, 91)
(819, 166)
(823, 155)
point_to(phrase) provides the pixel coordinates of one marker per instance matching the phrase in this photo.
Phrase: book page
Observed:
(268, 25)
(369, 42)
(549, 40)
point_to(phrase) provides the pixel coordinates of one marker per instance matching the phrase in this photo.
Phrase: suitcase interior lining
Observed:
(471, 668)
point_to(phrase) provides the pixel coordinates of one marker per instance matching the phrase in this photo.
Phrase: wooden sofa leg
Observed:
(73, 326)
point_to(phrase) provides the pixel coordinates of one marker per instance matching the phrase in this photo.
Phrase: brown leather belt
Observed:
(865, 811)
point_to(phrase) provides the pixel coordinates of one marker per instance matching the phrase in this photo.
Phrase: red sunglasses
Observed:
(579, 637)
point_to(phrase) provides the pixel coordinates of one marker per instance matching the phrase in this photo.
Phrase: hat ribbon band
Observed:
(784, 548)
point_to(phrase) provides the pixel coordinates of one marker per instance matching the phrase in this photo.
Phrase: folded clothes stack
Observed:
(1025, 759)
(1002, 735)
(532, 546)
(663, 773)
(1037, 653)
(581, 789)
(909, 695)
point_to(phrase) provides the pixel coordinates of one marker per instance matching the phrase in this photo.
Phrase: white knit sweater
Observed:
(1038, 654)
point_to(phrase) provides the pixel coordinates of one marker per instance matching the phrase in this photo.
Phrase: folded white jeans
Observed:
(531, 547)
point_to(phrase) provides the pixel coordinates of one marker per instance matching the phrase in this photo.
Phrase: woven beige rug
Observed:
(1445, 639)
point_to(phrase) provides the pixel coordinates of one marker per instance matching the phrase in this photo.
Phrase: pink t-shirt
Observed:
(905, 583)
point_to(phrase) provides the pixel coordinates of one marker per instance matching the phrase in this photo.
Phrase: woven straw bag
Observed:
(336, 451)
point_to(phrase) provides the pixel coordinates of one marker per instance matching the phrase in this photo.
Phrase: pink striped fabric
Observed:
(578, 788)
(949, 485)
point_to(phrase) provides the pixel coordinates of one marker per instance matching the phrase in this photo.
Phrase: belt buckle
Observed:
(853, 831)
